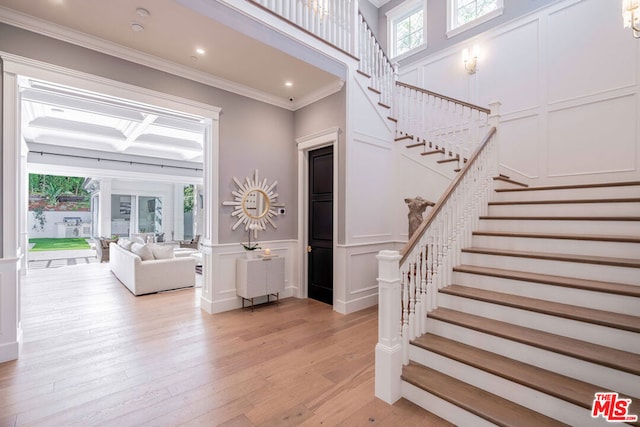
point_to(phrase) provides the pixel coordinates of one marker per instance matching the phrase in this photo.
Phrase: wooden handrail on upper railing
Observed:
(415, 238)
(301, 28)
(446, 98)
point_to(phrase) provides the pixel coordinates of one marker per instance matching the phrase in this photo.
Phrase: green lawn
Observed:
(62, 244)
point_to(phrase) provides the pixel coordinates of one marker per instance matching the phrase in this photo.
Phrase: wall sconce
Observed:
(631, 16)
(470, 59)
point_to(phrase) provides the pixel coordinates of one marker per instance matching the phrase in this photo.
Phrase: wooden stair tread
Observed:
(589, 237)
(403, 137)
(374, 90)
(417, 144)
(567, 201)
(598, 354)
(582, 314)
(486, 405)
(568, 282)
(383, 105)
(571, 186)
(560, 386)
(450, 159)
(439, 151)
(562, 218)
(393, 119)
(587, 259)
(505, 178)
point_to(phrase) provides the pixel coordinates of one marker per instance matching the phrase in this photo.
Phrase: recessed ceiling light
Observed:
(137, 28)
(200, 51)
(142, 12)
(288, 84)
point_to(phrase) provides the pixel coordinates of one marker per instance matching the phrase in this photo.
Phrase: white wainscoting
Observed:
(568, 78)
(356, 285)
(370, 178)
(223, 272)
(10, 332)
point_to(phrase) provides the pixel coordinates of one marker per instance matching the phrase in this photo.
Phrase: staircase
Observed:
(541, 312)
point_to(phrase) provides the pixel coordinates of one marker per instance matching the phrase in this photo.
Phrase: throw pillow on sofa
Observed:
(162, 252)
(143, 251)
(125, 244)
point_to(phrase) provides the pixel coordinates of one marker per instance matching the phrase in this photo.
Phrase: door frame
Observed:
(325, 138)
(14, 171)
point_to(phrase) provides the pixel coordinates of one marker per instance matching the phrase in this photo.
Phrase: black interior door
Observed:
(320, 246)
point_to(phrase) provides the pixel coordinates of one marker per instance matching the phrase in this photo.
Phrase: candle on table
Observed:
(267, 251)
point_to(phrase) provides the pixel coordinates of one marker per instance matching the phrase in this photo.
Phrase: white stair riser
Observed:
(613, 228)
(586, 271)
(559, 246)
(602, 335)
(569, 194)
(440, 407)
(582, 298)
(567, 209)
(538, 401)
(611, 379)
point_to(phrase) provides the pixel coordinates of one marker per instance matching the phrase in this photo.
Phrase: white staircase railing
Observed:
(409, 282)
(446, 123)
(339, 23)
(333, 21)
(375, 64)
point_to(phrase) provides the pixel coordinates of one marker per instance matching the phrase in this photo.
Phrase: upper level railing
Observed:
(446, 123)
(374, 63)
(333, 21)
(339, 23)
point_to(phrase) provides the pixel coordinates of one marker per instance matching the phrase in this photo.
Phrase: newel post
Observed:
(388, 350)
(494, 116)
(494, 121)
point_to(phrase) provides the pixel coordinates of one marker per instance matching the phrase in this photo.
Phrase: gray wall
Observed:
(370, 13)
(325, 114)
(253, 135)
(437, 23)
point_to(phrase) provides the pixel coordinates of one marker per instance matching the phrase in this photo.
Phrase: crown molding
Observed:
(97, 44)
(378, 3)
(323, 92)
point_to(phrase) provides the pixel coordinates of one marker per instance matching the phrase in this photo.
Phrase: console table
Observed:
(259, 277)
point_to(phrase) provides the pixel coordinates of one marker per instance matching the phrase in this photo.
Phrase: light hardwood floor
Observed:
(94, 354)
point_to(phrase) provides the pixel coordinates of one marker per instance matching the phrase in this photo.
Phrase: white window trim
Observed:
(398, 12)
(465, 27)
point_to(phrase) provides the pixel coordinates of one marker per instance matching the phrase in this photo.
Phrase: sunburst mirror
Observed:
(254, 203)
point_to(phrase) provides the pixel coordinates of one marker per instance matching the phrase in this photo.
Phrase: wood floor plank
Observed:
(94, 354)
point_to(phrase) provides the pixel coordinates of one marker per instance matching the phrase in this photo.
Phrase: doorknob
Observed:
(309, 249)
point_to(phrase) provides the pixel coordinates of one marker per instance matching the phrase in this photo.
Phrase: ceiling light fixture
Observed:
(143, 12)
(288, 84)
(200, 51)
(137, 28)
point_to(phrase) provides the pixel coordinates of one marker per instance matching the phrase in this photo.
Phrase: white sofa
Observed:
(146, 277)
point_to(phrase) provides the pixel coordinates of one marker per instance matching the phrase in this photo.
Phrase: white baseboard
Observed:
(9, 351)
